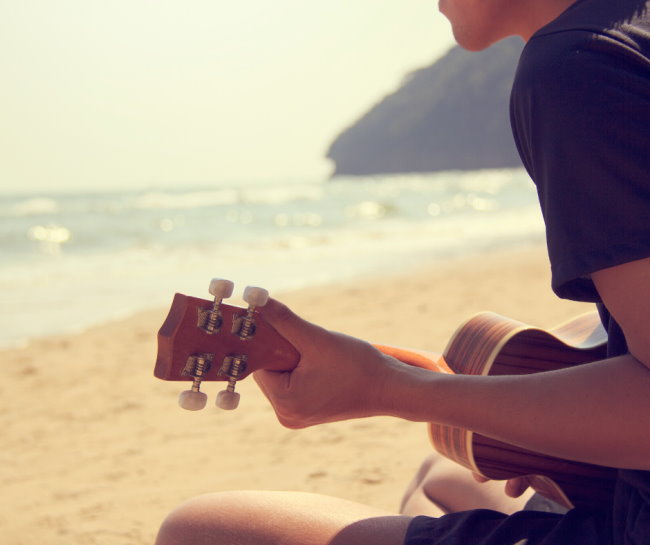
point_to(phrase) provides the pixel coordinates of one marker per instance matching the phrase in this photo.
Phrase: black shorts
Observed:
(485, 527)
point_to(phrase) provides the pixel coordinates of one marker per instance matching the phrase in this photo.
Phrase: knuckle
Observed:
(282, 312)
(291, 423)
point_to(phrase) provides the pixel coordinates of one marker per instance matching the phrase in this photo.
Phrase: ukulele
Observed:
(210, 340)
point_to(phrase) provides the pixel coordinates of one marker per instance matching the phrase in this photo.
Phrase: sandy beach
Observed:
(96, 451)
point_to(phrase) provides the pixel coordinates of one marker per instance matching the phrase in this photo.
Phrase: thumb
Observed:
(288, 324)
(516, 486)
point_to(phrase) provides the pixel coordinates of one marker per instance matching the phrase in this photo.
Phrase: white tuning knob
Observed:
(227, 400)
(221, 288)
(192, 401)
(256, 297)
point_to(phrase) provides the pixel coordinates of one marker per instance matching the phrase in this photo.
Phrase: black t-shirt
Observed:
(580, 112)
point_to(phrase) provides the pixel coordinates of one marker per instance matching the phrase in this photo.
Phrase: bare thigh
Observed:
(279, 518)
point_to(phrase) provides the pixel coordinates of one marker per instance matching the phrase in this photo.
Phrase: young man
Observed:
(581, 117)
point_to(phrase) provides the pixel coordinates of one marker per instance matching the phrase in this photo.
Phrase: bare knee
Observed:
(268, 518)
(201, 520)
(415, 500)
(180, 525)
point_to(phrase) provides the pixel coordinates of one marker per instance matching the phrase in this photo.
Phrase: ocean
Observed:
(69, 260)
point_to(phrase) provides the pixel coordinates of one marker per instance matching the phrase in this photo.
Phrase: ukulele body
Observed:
(490, 344)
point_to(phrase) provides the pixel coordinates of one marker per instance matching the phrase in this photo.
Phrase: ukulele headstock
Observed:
(203, 340)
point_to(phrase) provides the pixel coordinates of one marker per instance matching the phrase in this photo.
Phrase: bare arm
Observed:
(595, 413)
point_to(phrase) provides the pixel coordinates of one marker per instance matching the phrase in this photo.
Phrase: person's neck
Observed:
(537, 13)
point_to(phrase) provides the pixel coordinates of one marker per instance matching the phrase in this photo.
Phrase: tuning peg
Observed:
(221, 288)
(232, 367)
(191, 400)
(227, 400)
(196, 367)
(256, 297)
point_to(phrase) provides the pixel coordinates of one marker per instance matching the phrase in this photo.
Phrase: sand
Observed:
(95, 450)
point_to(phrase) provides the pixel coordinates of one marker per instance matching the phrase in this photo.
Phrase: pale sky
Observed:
(116, 93)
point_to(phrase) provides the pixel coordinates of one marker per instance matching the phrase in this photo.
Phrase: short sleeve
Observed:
(580, 111)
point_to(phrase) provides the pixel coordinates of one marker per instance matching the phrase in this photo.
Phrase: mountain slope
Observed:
(450, 115)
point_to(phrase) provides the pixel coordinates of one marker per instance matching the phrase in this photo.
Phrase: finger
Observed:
(271, 382)
(291, 326)
(479, 478)
(516, 487)
(274, 386)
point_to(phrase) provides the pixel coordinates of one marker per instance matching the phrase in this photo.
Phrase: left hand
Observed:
(514, 487)
(337, 378)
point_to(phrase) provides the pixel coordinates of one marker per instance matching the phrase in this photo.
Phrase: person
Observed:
(580, 112)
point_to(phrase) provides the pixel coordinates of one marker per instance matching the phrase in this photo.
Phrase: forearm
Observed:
(594, 413)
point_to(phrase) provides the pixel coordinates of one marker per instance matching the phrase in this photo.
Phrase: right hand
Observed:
(338, 377)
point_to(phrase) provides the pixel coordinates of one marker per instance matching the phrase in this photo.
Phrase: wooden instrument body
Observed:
(487, 344)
